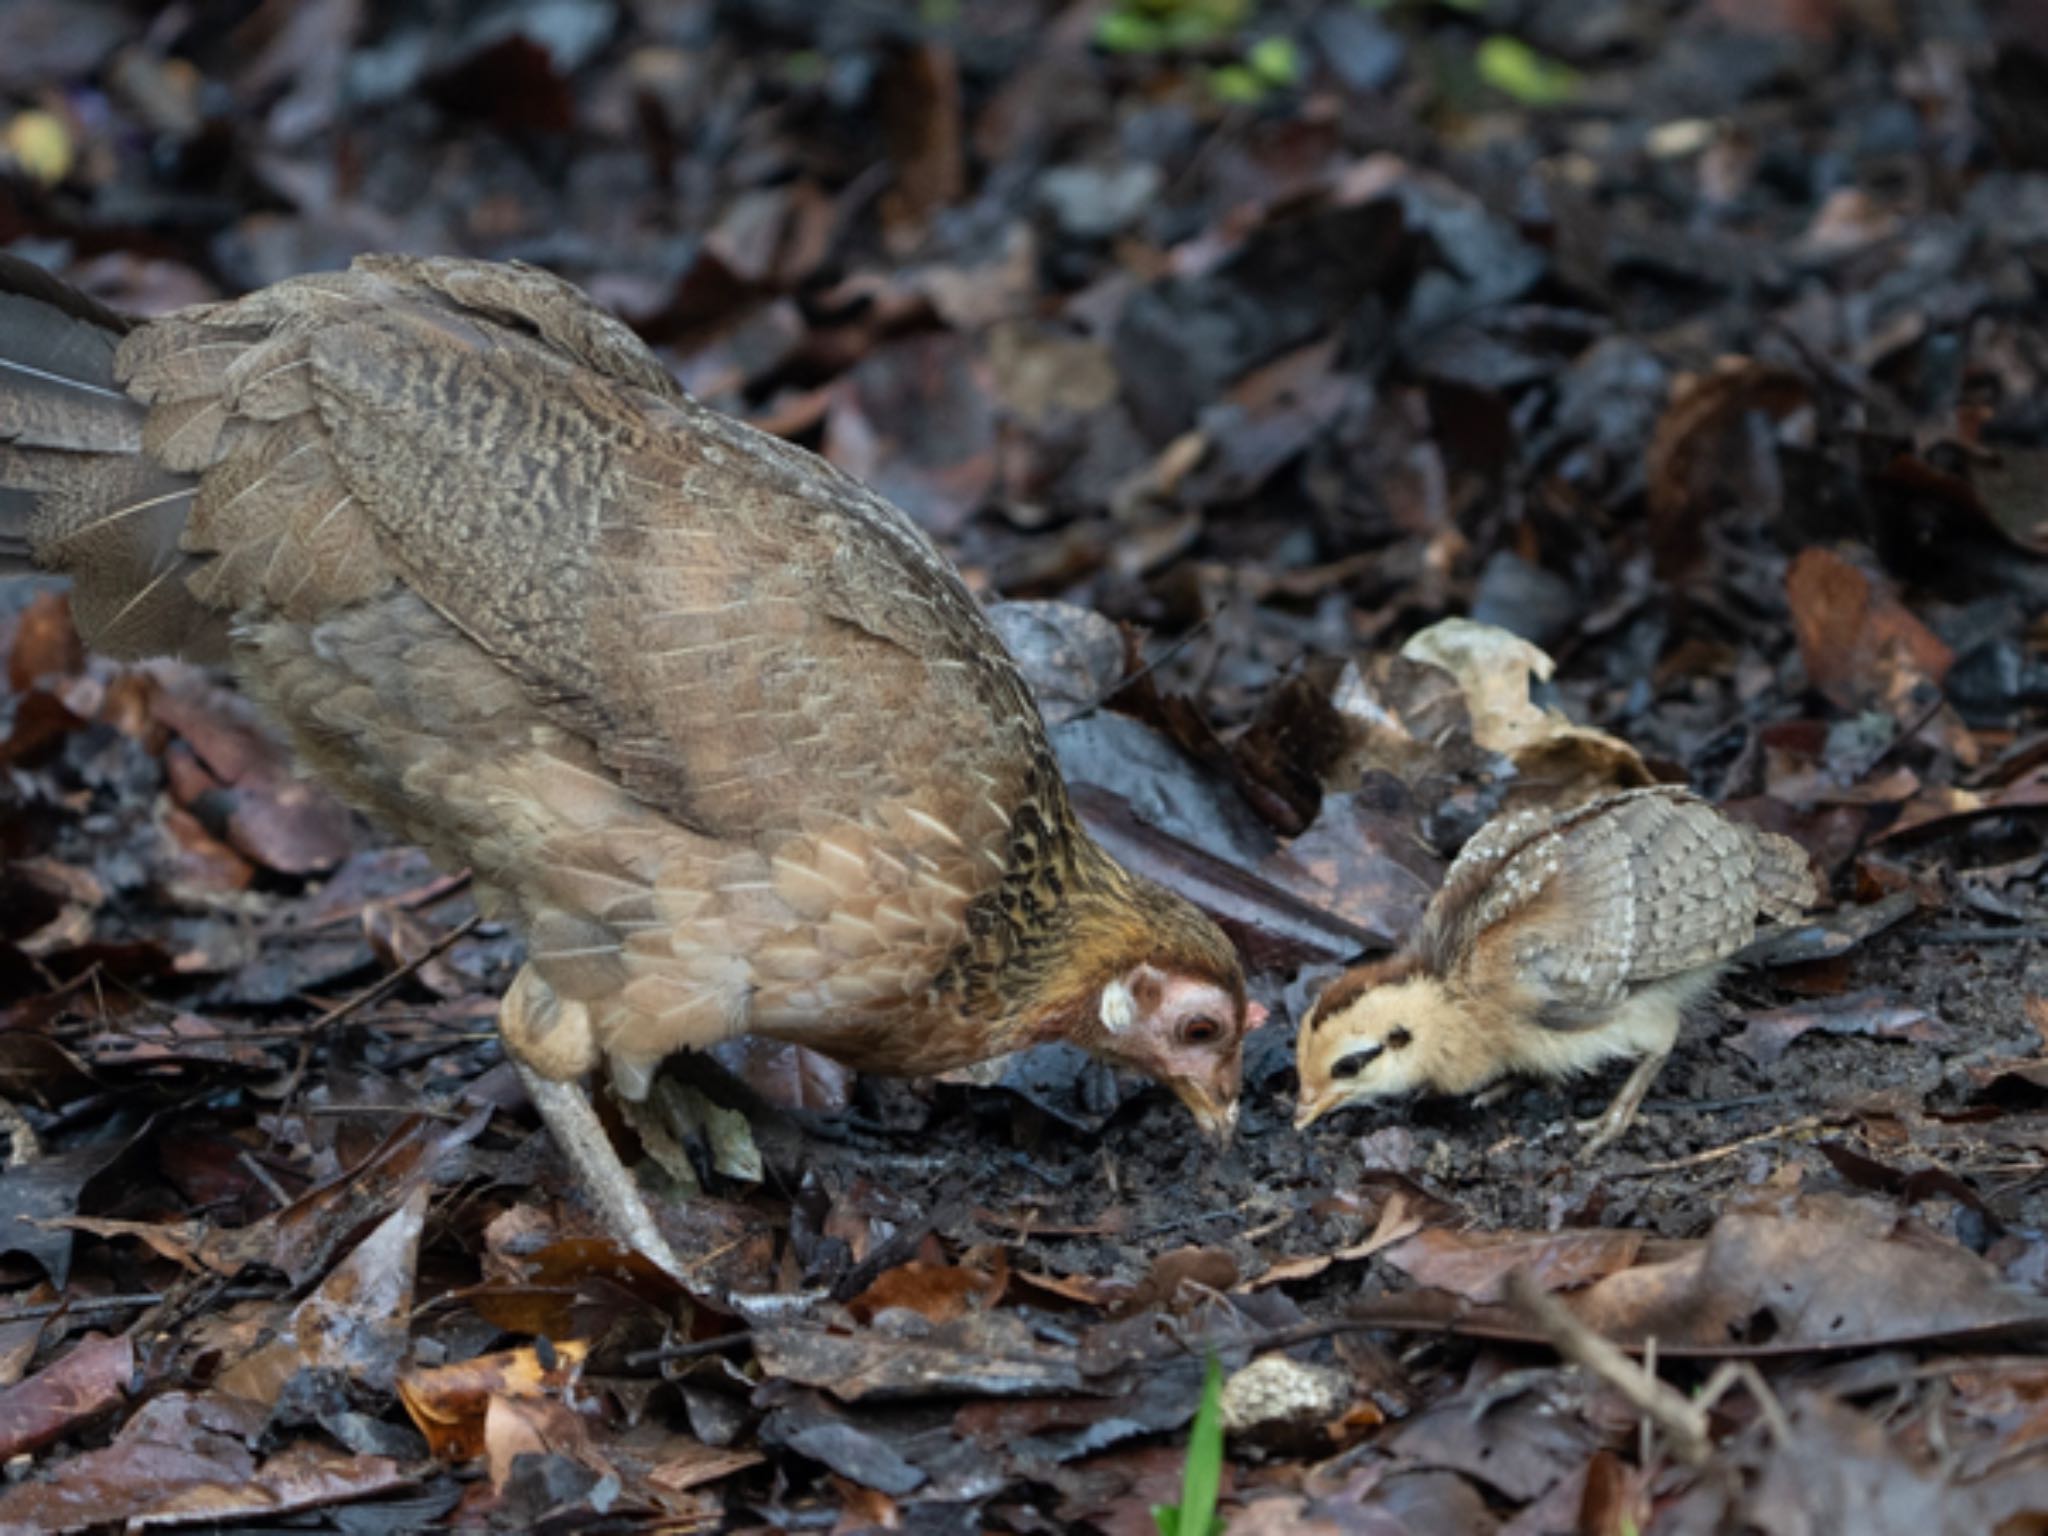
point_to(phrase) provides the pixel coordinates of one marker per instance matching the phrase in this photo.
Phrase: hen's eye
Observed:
(1204, 1031)
(1398, 1038)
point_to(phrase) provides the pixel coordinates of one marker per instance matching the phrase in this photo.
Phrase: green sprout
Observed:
(1512, 66)
(1157, 26)
(1195, 1515)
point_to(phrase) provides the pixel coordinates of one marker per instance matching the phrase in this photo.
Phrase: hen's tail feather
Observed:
(76, 493)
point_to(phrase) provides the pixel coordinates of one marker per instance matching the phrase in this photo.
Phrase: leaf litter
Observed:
(1474, 411)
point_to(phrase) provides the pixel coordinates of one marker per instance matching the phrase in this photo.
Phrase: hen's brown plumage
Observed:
(718, 728)
(1558, 941)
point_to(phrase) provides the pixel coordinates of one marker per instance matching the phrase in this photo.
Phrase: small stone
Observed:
(1094, 202)
(1277, 1394)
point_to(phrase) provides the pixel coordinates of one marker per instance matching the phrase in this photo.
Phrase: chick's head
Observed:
(1375, 1036)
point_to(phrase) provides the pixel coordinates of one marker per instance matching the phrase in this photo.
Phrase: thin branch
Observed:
(1684, 1423)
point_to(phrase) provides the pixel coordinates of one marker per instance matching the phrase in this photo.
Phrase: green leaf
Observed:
(1128, 31)
(1275, 60)
(1237, 85)
(1510, 65)
(1203, 1479)
(804, 67)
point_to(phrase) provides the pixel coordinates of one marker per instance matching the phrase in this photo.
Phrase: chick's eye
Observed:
(1347, 1067)
(1398, 1038)
(1202, 1031)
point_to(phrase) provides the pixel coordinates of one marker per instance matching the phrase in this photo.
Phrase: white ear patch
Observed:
(1119, 1009)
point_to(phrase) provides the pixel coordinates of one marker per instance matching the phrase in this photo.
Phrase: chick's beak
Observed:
(1310, 1110)
(1216, 1115)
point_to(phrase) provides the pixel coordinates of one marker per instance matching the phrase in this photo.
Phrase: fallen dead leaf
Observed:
(1557, 762)
(938, 1293)
(1475, 1265)
(358, 1322)
(91, 1378)
(449, 1403)
(1397, 1222)
(1766, 1036)
(1861, 646)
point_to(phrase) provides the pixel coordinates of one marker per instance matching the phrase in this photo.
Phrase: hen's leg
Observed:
(550, 1043)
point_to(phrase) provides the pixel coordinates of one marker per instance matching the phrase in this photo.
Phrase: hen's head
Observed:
(1375, 1033)
(1152, 985)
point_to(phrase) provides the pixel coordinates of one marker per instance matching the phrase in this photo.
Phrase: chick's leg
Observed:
(1621, 1113)
(549, 1040)
(1646, 1027)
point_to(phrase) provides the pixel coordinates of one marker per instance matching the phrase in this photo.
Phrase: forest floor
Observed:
(1228, 346)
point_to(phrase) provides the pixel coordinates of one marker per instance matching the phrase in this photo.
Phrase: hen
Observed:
(716, 728)
(1558, 942)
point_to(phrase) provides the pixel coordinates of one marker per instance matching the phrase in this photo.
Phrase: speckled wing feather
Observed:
(1628, 890)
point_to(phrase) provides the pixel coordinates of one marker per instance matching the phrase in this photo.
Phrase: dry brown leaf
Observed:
(450, 1403)
(1860, 644)
(1397, 1222)
(937, 1292)
(1475, 1265)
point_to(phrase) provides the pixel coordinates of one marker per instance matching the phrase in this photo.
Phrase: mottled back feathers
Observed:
(718, 726)
(1626, 890)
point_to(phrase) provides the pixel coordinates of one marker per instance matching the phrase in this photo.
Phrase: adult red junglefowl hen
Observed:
(716, 728)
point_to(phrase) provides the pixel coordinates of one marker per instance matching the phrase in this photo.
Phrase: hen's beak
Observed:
(1216, 1116)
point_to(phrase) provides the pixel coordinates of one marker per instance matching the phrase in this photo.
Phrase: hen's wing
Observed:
(702, 622)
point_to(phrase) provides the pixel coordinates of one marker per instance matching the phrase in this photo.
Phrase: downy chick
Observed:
(1559, 942)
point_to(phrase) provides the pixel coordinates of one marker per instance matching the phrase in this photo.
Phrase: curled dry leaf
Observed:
(275, 817)
(1556, 761)
(1828, 1276)
(993, 1354)
(1689, 452)
(46, 643)
(357, 1322)
(449, 1404)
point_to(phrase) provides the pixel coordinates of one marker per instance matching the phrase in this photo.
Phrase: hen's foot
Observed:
(576, 1129)
(549, 1040)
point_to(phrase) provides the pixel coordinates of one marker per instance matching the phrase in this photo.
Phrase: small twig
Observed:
(1728, 1149)
(76, 1306)
(696, 1350)
(1978, 933)
(1900, 737)
(263, 1176)
(384, 988)
(1173, 650)
(1684, 1423)
(430, 1111)
(1744, 1373)
(375, 993)
(432, 894)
